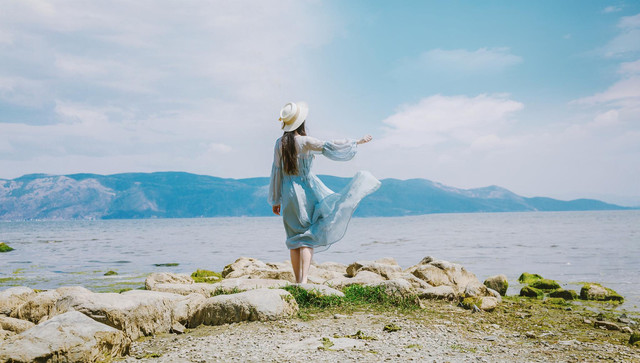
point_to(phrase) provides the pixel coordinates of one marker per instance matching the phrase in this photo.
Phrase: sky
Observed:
(542, 98)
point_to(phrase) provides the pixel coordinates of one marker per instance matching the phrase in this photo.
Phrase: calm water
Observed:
(567, 246)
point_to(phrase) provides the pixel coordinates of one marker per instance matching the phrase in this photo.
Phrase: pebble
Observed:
(490, 338)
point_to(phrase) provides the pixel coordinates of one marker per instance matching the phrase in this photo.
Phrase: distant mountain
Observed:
(184, 195)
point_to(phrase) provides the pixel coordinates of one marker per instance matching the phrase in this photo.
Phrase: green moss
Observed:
(545, 284)
(18, 271)
(110, 273)
(531, 292)
(391, 328)
(634, 338)
(206, 276)
(556, 301)
(358, 335)
(527, 278)
(469, 302)
(326, 344)
(5, 247)
(564, 294)
(414, 346)
(171, 264)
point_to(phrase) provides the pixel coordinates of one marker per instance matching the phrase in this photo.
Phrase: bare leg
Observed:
(295, 263)
(306, 254)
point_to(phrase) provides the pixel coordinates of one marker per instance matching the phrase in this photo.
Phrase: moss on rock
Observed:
(110, 273)
(527, 278)
(206, 276)
(545, 284)
(597, 292)
(564, 294)
(634, 338)
(532, 292)
(556, 301)
(469, 302)
(5, 247)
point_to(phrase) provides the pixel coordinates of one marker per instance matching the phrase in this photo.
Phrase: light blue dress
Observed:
(313, 215)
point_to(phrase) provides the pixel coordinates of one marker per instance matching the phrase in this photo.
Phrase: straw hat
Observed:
(293, 115)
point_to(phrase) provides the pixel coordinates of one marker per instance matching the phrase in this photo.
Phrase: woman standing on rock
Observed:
(314, 216)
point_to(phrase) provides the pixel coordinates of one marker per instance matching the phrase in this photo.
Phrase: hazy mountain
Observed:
(177, 195)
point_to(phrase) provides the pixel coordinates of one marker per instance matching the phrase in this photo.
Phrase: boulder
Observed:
(38, 307)
(545, 284)
(332, 266)
(387, 269)
(203, 288)
(564, 294)
(444, 273)
(361, 278)
(322, 290)
(484, 303)
(166, 278)
(14, 325)
(527, 278)
(397, 286)
(253, 305)
(442, 292)
(252, 268)
(593, 291)
(14, 297)
(532, 292)
(243, 284)
(136, 312)
(498, 283)
(320, 275)
(69, 337)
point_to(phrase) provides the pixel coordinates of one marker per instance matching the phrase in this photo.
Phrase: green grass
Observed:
(206, 276)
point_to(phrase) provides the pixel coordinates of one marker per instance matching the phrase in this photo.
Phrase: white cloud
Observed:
(483, 59)
(611, 9)
(439, 119)
(152, 84)
(627, 42)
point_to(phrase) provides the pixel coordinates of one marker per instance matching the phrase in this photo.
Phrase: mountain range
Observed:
(185, 195)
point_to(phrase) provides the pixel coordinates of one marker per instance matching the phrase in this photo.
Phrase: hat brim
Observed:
(302, 116)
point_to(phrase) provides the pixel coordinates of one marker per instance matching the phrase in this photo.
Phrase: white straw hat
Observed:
(293, 115)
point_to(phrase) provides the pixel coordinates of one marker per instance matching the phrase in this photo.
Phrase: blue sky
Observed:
(542, 98)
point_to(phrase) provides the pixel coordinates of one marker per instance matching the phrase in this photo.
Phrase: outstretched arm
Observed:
(365, 139)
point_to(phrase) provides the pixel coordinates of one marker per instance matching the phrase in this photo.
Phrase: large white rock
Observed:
(253, 305)
(39, 306)
(14, 297)
(14, 325)
(443, 292)
(253, 268)
(387, 268)
(202, 288)
(70, 337)
(135, 312)
(166, 278)
(397, 286)
(361, 278)
(323, 290)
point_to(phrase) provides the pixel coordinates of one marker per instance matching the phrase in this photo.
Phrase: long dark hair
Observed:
(289, 153)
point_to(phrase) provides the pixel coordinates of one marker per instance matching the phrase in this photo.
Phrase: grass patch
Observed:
(206, 276)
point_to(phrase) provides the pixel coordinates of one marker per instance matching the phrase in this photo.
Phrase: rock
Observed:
(626, 329)
(564, 294)
(530, 334)
(545, 284)
(177, 328)
(252, 268)
(202, 288)
(494, 293)
(15, 325)
(443, 292)
(253, 305)
(13, 297)
(38, 307)
(166, 278)
(527, 278)
(322, 290)
(397, 286)
(136, 312)
(340, 316)
(440, 272)
(110, 273)
(606, 324)
(243, 284)
(332, 266)
(4, 334)
(593, 291)
(361, 278)
(532, 292)
(634, 338)
(498, 283)
(320, 276)
(384, 269)
(484, 303)
(69, 337)
(490, 338)
(5, 247)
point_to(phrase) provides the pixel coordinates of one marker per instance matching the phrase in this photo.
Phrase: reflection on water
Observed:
(567, 246)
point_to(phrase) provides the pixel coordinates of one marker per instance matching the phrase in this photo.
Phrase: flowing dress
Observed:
(313, 215)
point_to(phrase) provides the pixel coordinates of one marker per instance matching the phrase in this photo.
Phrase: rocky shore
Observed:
(366, 311)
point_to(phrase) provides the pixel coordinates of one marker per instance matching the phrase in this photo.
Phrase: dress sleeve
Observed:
(275, 184)
(339, 150)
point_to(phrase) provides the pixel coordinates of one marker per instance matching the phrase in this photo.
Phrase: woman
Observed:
(314, 216)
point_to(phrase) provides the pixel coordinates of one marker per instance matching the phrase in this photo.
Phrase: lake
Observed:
(571, 247)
